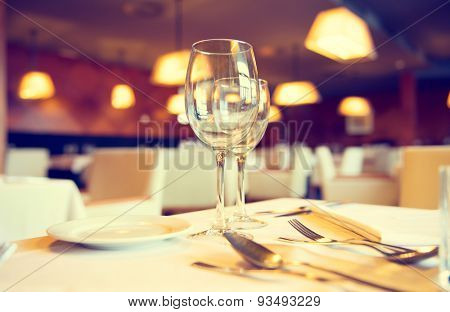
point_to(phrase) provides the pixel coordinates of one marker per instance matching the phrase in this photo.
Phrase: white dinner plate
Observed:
(111, 232)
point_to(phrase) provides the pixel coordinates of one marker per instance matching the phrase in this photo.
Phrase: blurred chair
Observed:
(125, 174)
(256, 160)
(191, 175)
(352, 161)
(383, 159)
(419, 187)
(277, 183)
(28, 206)
(283, 153)
(31, 162)
(378, 190)
(277, 157)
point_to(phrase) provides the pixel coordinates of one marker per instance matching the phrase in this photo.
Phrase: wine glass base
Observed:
(246, 223)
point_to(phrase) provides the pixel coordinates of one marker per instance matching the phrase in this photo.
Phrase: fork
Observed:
(399, 254)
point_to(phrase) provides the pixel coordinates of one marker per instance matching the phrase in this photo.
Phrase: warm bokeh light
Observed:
(341, 35)
(175, 104)
(355, 106)
(274, 114)
(36, 85)
(448, 100)
(170, 68)
(295, 93)
(183, 119)
(122, 96)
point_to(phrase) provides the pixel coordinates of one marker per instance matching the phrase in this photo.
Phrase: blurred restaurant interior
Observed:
(84, 51)
(360, 101)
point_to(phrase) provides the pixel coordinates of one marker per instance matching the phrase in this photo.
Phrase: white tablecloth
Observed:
(28, 206)
(166, 266)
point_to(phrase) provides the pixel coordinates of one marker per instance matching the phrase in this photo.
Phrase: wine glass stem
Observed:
(240, 202)
(220, 222)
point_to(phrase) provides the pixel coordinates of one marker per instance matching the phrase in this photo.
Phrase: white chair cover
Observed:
(277, 183)
(367, 190)
(31, 162)
(352, 161)
(327, 170)
(124, 173)
(191, 174)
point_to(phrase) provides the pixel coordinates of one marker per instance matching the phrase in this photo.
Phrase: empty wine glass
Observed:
(444, 248)
(222, 98)
(241, 220)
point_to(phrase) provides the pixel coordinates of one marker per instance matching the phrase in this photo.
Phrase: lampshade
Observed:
(340, 35)
(122, 96)
(36, 85)
(170, 68)
(355, 106)
(295, 93)
(274, 114)
(175, 104)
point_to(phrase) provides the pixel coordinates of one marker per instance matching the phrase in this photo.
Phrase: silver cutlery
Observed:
(317, 238)
(263, 257)
(398, 254)
(221, 269)
(282, 211)
(294, 213)
(249, 272)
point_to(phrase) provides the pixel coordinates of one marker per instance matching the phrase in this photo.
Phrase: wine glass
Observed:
(444, 248)
(221, 104)
(241, 220)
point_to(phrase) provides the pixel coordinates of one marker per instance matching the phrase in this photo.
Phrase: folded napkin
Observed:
(6, 250)
(404, 226)
(339, 222)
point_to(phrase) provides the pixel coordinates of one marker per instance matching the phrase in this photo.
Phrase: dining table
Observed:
(46, 264)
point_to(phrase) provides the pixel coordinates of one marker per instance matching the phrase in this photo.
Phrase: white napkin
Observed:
(6, 250)
(407, 227)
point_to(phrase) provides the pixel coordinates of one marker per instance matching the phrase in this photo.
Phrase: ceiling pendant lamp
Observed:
(295, 93)
(355, 106)
(170, 68)
(274, 114)
(36, 85)
(341, 35)
(122, 96)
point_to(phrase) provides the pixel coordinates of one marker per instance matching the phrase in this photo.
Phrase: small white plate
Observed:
(118, 232)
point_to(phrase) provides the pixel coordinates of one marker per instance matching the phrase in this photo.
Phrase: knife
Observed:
(263, 257)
